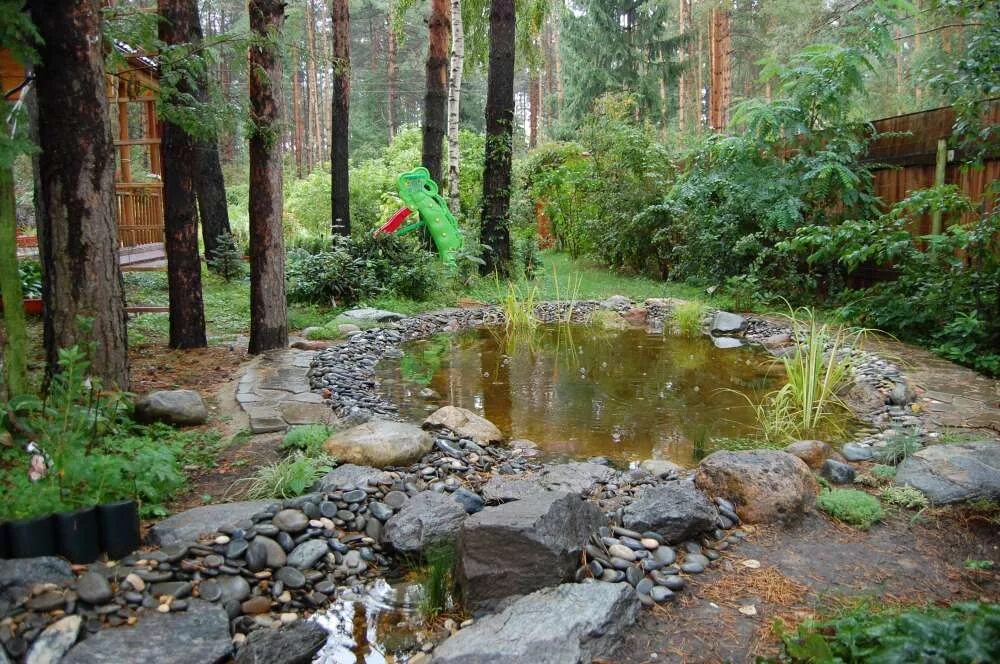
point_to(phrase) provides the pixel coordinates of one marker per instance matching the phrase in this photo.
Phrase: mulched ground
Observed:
(816, 566)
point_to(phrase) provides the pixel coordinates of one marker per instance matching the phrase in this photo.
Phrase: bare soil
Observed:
(811, 569)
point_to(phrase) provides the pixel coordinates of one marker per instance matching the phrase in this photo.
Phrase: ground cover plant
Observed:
(851, 506)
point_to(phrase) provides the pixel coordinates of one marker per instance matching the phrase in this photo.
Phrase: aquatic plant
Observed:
(688, 317)
(437, 578)
(518, 306)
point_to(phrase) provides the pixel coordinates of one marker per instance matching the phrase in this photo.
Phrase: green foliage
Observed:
(308, 439)
(964, 633)
(437, 578)
(227, 260)
(363, 268)
(291, 476)
(850, 506)
(31, 278)
(904, 496)
(979, 564)
(897, 448)
(688, 317)
(746, 443)
(883, 471)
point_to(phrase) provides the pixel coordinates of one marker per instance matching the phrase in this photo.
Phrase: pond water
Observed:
(582, 391)
(381, 627)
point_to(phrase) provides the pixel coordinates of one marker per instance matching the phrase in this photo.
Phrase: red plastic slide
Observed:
(395, 221)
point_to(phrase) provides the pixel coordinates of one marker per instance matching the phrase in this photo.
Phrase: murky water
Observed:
(581, 391)
(381, 627)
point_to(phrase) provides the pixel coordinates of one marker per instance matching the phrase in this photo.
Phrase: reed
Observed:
(688, 317)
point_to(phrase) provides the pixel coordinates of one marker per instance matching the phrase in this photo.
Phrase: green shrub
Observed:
(964, 633)
(850, 506)
(31, 279)
(883, 472)
(227, 260)
(287, 478)
(904, 496)
(308, 439)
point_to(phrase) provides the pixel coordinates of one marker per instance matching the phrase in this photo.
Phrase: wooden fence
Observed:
(910, 158)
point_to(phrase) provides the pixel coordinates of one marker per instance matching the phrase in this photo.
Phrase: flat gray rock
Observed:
(676, 510)
(199, 635)
(297, 643)
(179, 407)
(18, 575)
(727, 323)
(187, 525)
(53, 643)
(499, 489)
(570, 624)
(349, 475)
(577, 477)
(519, 547)
(954, 472)
(424, 519)
(369, 315)
(727, 342)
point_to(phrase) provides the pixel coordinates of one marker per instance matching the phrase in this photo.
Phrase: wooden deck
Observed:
(143, 258)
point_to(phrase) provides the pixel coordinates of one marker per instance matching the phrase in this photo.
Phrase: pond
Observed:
(582, 391)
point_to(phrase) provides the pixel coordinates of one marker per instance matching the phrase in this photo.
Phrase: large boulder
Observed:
(380, 443)
(813, 452)
(727, 323)
(186, 526)
(676, 510)
(465, 424)
(568, 624)
(369, 315)
(765, 486)
(18, 575)
(578, 477)
(199, 635)
(950, 473)
(178, 407)
(296, 643)
(349, 476)
(501, 489)
(519, 547)
(424, 519)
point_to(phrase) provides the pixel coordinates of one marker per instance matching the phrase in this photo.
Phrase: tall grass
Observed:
(437, 579)
(818, 367)
(518, 305)
(287, 478)
(688, 317)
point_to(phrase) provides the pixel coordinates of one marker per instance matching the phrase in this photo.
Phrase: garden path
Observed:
(274, 392)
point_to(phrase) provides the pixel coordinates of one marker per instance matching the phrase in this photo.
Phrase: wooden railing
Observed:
(140, 213)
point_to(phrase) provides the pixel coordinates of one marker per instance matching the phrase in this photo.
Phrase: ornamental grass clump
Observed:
(851, 506)
(688, 317)
(287, 478)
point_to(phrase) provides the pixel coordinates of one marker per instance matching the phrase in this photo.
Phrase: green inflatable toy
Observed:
(420, 194)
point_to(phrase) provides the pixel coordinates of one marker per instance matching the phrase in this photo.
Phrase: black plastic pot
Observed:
(119, 525)
(32, 537)
(4, 542)
(78, 535)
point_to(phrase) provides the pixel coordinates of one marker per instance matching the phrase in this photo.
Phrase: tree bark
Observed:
(495, 232)
(268, 310)
(535, 101)
(15, 342)
(454, 103)
(180, 214)
(339, 156)
(315, 135)
(436, 96)
(77, 229)
(390, 71)
(682, 100)
(297, 111)
(210, 187)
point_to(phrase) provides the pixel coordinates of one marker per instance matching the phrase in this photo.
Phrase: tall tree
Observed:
(339, 157)
(297, 116)
(268, 309)
(312, 111)
(495, 231)
(454, 102)
(77, 229)
(436, 95)
(392, 79)
(178, 25)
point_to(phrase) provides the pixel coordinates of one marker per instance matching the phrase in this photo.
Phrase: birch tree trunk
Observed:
(268, 310)
(77, 228)
(454, 103)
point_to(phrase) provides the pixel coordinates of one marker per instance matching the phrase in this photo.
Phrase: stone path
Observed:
(274, 392)
(952, 396)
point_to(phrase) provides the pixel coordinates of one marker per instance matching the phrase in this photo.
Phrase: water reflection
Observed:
(580, 392)
(381, 627)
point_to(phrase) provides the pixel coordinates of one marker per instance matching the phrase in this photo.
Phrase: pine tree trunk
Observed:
(436, 96)
(297, 111)
(210, 187)
(15, 342)
(454, 103)
(326, 85)
(495, 233)
(341, 115)
(77, 230)
(268, 310)
(535, 101)
(682, 100)
(315, 135)
(180, 214)
(390, 71)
